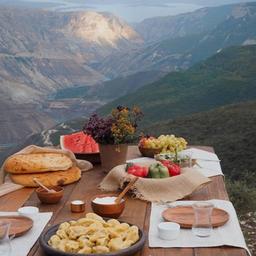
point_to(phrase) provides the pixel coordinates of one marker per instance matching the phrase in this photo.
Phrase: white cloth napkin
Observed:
(208, 169)
(207, 163)
(141, 160)
(9, 187)
(22, 245)
(201, 154)
(230, 234)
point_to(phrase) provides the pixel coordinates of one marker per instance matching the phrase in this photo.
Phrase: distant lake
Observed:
(131, 11)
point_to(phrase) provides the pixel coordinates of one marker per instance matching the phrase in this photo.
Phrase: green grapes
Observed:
(167, 143)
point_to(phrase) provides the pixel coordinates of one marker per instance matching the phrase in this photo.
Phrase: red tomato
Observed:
(174, 169)
(132, 171)
(145, 171)
(137, 170)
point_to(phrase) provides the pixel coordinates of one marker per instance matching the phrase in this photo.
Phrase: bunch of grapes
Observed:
(172, 144)
(167, 143)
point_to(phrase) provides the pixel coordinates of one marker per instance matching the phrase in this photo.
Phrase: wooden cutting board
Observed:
(184, 215)
(19, 224)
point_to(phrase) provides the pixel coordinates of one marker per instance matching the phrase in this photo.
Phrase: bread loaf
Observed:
(48, 178)
(37, 163)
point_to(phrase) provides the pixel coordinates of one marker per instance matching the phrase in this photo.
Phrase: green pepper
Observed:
(158, 171)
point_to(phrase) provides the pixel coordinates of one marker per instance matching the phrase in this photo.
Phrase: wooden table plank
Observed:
(136, 211)
(14, 200)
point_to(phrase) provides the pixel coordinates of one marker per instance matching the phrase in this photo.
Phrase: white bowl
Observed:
(28, 211)
(168, 230)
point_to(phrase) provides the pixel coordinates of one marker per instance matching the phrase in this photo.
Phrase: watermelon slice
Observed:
(79, 143)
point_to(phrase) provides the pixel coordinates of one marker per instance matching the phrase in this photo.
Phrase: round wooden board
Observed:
(19, 224)
(184, 215)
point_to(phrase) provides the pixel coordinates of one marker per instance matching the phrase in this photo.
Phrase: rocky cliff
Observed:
(42, 52)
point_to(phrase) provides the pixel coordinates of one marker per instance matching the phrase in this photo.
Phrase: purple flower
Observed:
(100, 129)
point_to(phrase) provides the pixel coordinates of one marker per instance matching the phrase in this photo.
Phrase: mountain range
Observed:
(197, 22)
(63, 65)
(185, 39)
(42, 52)
(225, 78)
(45, 51)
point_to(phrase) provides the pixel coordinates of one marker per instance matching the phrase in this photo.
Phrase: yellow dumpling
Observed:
(91, 231)
(72, 246)
(84, 241)
(97, 235)
(85, 221)
(113, 222)
(100, 249)
(127, 243)
(93, 216)
(96, 225)
(134, 229)
(85, 250)
(123, 234)
(64, 225)
(113, 233)
(62, 234)
(76, 231)
(62, 245)
(115, 244)
(73, 222)
(102, 241)
(122, 227)
(133, 234)
(54, 241)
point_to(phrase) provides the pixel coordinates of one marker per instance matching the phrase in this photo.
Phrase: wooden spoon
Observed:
(43, 186)
(127, 188)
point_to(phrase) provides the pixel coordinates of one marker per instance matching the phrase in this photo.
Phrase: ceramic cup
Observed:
(28, 211)
(168, 230)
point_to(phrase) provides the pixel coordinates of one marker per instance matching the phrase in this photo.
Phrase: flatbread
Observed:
(57, 178)
(37, 163)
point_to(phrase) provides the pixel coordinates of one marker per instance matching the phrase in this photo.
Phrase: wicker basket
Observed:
(149, 152)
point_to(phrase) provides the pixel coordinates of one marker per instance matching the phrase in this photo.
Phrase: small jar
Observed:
(77, 206)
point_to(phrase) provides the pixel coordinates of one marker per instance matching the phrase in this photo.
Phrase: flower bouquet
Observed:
(113, 133)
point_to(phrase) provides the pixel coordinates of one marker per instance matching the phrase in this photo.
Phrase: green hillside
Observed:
(121, 86)
(226, 78)
(231, 131)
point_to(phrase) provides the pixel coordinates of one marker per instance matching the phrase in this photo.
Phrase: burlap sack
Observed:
(9, 186)
(156, 190)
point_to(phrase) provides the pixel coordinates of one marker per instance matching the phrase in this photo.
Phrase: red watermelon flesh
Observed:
(79, 143)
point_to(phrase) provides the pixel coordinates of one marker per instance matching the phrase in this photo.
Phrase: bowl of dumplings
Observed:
(92, 236)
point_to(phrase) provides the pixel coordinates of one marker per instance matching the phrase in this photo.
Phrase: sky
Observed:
(129, 10)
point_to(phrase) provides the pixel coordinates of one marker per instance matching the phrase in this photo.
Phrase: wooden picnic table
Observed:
(136, 211)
